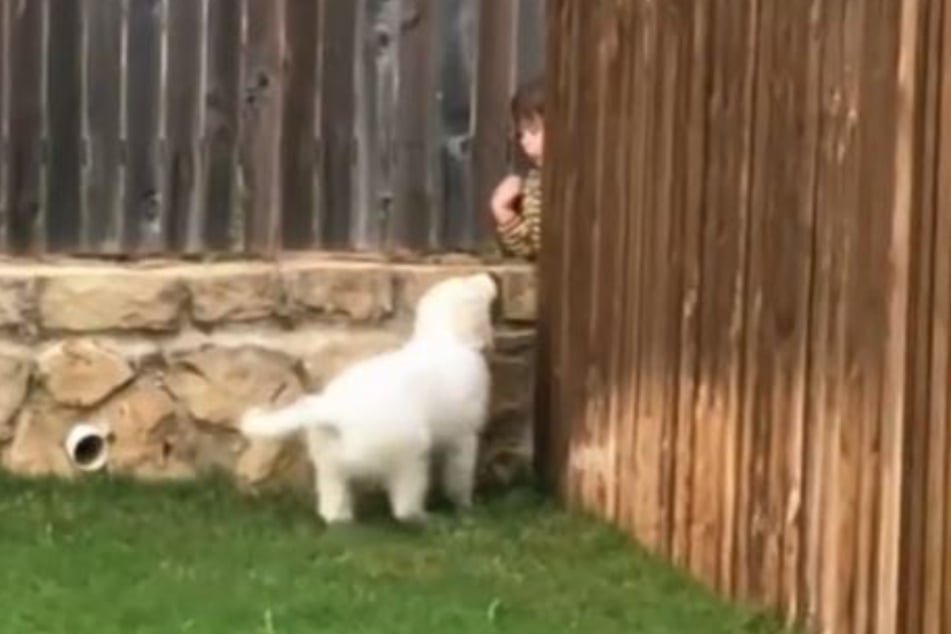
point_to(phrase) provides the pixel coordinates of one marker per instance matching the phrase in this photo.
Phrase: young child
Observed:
(516, 202)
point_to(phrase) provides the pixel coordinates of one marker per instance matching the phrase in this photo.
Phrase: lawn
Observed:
(110, 557)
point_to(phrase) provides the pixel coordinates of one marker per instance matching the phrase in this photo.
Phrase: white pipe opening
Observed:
(87, 446)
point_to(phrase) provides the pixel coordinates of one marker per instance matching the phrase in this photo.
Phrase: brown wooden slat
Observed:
(689, 262)
(903, 59)
(642, 481)
(5, 71)
(924, 347)
(491, 126)
(142, 222)
(337, 94)
(64, 92)
(724, 252)
(457, 73)
(377, 64)
(530, 44)
(299, 144)
(223, 226)
(261, 124)
(24, 168)
(184, 212)
(103, 117)
(367, 210)
(929, 500)
(414, 219)
(806, 208)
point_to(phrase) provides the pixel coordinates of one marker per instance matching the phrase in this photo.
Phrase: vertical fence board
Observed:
(928, 593)
(223, 225)
(374, 54)
(733, 45)
(64, 103)
(25, 166)
(299, 141)
(5, 71)
(909, 91)
(337, 94)
(159, 140)
(690, 272)
(261, 124)
(457, 76)
(491, 126)
(646, 449)
(529, 46)
(806, 287)
(665, 331)
(142, 225)
(414, 219)
(103, 114)
(927, 338)
(183, 104)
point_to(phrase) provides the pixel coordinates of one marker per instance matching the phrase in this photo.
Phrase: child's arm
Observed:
(520, 233)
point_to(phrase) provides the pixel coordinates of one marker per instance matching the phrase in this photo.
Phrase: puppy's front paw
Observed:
(337, 519)
(413, 518)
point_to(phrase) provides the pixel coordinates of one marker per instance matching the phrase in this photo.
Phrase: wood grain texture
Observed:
(745, 295)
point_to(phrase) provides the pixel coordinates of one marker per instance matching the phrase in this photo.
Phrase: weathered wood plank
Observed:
(456, 80)
(142, 225)
(337, 106)
(690, 272)
(645, 485)
(491, 127)
(299, 142)
(64, 91)
(907, 101)
(413, 222)
(223, 226)
(103, 118)
(930, 580)
(263, 104)
(25, 166)
(928, 340)
(374, 63)
(183, 207)
(5, 70)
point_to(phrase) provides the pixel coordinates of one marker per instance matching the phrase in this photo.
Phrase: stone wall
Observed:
(168, 355)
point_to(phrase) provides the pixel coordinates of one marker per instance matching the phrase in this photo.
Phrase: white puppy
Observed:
(380, 420)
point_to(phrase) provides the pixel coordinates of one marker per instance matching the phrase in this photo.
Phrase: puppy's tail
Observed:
(308, 412)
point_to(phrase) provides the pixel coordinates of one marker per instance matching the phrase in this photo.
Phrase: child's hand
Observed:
(504, 197)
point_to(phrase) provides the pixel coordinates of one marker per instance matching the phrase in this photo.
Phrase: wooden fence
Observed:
(746, 299)
(132, 126)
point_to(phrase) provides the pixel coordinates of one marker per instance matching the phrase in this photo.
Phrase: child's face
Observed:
(531, 136)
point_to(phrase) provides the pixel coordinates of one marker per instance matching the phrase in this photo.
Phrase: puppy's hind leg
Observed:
(334, 501)
(459, 468)
(407, 486)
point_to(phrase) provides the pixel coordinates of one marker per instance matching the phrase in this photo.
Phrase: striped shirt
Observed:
(521, 236)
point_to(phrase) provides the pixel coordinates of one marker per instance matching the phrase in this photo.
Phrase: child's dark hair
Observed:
(529, 100)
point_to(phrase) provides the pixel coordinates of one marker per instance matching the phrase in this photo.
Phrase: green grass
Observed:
(109, 557)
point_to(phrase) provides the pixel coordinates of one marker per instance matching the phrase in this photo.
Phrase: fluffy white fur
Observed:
(381, 420)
